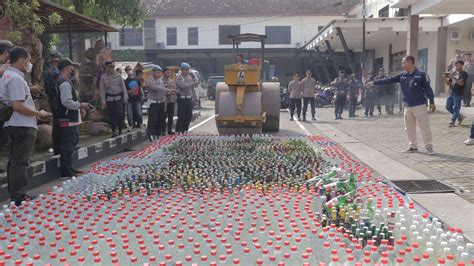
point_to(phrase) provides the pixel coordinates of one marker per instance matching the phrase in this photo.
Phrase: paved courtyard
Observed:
(453, 162)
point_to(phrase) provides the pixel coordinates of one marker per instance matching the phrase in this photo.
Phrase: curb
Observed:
(41, 172)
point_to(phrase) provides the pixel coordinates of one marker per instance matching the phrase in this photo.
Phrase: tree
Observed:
(27, 27)
(121, 12)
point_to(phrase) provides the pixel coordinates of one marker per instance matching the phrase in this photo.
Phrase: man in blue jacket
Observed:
(415, 86)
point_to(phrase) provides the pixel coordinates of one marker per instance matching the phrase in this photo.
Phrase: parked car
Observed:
(211, 86)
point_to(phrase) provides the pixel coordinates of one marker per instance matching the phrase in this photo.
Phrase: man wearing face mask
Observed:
(22, 126)
(68, 116)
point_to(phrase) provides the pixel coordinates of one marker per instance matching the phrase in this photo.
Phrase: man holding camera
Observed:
(456, 82)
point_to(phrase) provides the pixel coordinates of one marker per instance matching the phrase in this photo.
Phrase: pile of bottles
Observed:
(209, 200)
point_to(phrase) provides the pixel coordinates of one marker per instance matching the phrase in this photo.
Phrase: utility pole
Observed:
(362, 55)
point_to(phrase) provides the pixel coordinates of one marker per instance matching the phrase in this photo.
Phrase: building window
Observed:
(402, 12)
(172, 36)
(384, 12)
(278, 34)
(131, 37)
(150, 34)
(193, 36)
(225, 31)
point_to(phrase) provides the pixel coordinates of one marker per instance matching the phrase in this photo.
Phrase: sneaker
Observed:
(65, 178)
(291, 119)
(451, 124)
(469, 142)
(304, 119)
(430, 151)
(78, 172)
(460, 119)
(314, 118)
(410, 150)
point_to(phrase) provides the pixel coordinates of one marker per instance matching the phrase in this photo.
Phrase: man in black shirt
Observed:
(342, 88)
(457, 82)
(135, 93)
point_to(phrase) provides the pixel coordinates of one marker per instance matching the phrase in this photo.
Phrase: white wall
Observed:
(303, 28)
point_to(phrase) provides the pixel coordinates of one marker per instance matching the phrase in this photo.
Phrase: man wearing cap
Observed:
(469, 68)
(135, 94)
(170, 100)
(113, 95)
(185, 85)
(68, 116)
(456, 83)
(157, 96)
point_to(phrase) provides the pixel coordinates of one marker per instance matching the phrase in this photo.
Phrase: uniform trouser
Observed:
(295, 104)
(380, 100)
(418, 114)
(185, 114)
(56, 137)
(69, 139)
(134, 112)
(389, 101)
(472, 130)
(369, 105)
(453, 105)
(169, 116)
(156, 125)
(311, 101)
(4, 138)
(116, 113)
(468, 90)
(339, 105)
(400, 100)
(22, 140)
(352, 105)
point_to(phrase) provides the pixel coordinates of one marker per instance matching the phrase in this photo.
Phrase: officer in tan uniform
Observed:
(186, 94)
(170, 100)
(113, 95)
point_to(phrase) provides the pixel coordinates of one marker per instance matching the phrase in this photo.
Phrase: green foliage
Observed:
(25, 20)
(121, 12)
(129, 55)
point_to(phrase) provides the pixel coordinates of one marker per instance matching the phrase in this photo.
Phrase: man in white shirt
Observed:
(22, 126)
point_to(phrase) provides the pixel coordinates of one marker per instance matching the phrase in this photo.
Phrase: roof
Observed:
(199, 8)
(247, 37)
(79, 23)
(386, 29)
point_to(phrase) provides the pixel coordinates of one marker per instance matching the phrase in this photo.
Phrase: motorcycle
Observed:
(324, 97)
(284, 98)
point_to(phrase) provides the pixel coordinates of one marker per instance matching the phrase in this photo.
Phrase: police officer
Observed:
(294, 87)
(380, 90)
(113, 95)
(308, 85)
(170, 100)
(353, 95)
(416, 89)
(68, 116)
(185, 85)
(157, 96)
(342, 88)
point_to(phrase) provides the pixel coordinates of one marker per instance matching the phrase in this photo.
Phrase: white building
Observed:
(196, 31)
(432, 28)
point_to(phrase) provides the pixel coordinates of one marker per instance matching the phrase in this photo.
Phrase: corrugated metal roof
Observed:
(199, 8)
